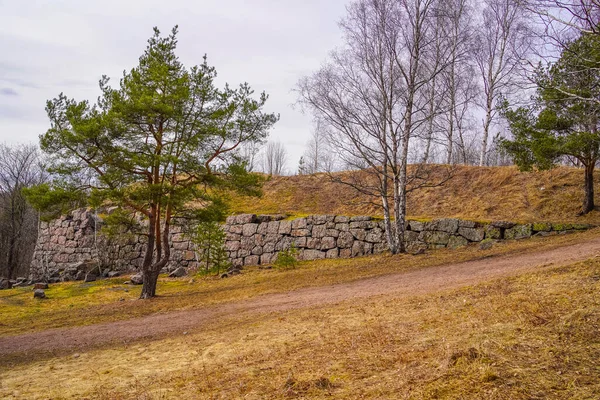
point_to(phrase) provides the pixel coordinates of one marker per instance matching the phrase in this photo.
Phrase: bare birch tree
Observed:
(563, 21)
(20, 167)
(274, 158)
(505, 40)
(372, 96)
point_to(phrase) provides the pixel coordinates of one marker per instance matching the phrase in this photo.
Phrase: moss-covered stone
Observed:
(562, 227)
(518, 232)
(435, 237)
(457, 241)
(581, 227)
(493, 233)
(542, 227)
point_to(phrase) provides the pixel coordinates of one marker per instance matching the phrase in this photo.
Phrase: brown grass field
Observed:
(532, 336)
(488, 193)
(535, 335)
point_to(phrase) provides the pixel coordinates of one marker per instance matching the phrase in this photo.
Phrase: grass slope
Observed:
(533, 336)
(481, 193)
(78, 303)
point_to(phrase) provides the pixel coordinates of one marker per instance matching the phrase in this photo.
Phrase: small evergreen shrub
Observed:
(287, 259)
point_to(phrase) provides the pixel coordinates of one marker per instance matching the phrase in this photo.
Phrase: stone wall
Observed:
(69, 246)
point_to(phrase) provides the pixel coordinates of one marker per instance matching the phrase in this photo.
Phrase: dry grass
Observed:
(77, 303)
(486, 193)
(535, 336)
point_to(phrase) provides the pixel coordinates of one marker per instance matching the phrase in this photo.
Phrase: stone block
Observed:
(319, 231)
(236, 229)
(417, 226)
(345, 253)
(267, 258)
(319, 219)
(448, 225)
(245, 219)
(259, 240)
(252, 260)
(313, 243)
(345, 240)
(247, 243)
(492, 232)
(233, 245)
(472, 234)
(434, 237)
(180, 246)
(458, 241)
(300, 232)
(380, 248)
(502, 224)
(311, 254)
(232, 236)
(257, 251)
(332, 232)
(328, 243)
(374, 236)
(285, 227)
(518, 232)
(467, 224)
(341, 219)
(263, 228)
(269, 247)
(358, 248)
(359, 234)
(542, 227)
(299, 223)
(344, 227)
(249, 229)
(332, 253)
(300, 242)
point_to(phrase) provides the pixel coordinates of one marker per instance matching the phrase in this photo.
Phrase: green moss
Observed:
(562, 227)
(542, 227)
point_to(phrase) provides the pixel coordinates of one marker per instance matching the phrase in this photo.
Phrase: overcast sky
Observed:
(57, 46)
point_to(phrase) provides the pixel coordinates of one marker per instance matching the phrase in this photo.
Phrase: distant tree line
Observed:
(20, 167)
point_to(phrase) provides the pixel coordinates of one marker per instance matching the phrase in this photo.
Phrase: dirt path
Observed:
(403, 284)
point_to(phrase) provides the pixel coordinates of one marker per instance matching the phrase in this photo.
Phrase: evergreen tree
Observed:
(564, 120)
(164, 137)
(210, 239)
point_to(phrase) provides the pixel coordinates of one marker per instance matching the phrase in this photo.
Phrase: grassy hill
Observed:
(481, 193)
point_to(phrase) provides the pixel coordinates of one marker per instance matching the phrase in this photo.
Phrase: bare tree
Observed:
(249, 153)
(274, 158)
(505, 40)
(563, 21)
(20, 167)
(457, 79)
(373, 96)
(318, 156)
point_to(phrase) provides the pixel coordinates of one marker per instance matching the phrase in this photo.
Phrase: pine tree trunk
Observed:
(150, 279)
(588, 200)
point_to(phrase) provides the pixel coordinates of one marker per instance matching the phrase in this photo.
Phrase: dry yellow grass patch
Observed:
(77, 303)
(481, 193)
(535, 336)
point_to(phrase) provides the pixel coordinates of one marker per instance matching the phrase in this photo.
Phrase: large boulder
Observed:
(137, 279)
(5, 284)
(39, 294)
(178, 273)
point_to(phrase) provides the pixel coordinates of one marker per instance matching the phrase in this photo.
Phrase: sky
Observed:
(56, 46)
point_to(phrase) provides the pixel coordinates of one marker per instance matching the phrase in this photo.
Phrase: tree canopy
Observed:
(164, 137)
(563, 122)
